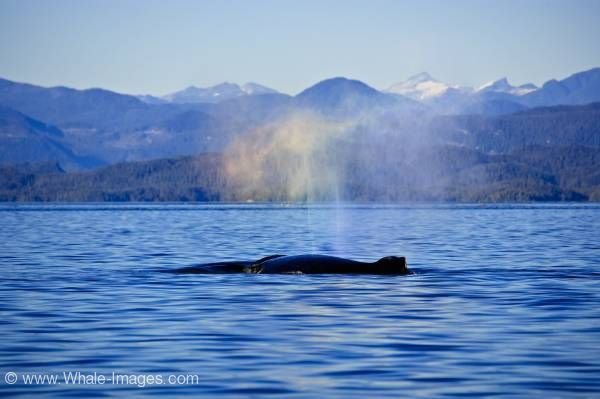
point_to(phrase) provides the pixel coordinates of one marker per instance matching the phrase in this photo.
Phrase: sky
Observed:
(158, 47)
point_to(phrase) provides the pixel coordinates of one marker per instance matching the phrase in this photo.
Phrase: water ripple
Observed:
(505, 300)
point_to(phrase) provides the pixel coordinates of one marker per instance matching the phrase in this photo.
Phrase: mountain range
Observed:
(90, 129)
(214, 94)
(499, 97)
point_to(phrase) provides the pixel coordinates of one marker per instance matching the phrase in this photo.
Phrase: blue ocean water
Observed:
(504, 302)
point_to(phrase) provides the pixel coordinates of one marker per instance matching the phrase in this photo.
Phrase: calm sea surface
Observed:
(504, 302)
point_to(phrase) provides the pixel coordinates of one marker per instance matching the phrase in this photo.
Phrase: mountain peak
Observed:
(500, 85)
(217, 93)
(579, 88)
(252, 88)
(420, 87)
(342, 95)
(339, 84)
(421, 77)
(503, 86)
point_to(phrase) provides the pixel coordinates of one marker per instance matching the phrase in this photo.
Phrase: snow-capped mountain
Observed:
(497, 97)
(215, 94)
(423, 87)
(502, 86)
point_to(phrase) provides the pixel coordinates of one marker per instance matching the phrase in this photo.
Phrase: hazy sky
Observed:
(160, 46)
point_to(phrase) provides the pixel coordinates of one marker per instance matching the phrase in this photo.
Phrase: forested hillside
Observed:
(530, 174)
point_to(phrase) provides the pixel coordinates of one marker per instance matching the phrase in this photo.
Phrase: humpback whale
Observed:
(301, 264)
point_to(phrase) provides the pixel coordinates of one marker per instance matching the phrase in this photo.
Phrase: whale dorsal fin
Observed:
(393, 264)
(256, 267)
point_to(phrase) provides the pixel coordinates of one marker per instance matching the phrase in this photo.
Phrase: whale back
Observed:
(301, 264)
(323, 264)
